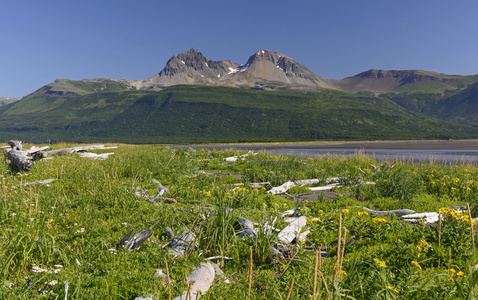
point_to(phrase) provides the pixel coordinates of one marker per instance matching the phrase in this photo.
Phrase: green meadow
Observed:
(65, 233)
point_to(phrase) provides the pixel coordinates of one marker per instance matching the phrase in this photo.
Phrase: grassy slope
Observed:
(76, 220)
(83, 87)
(199, 113)
(459, 106)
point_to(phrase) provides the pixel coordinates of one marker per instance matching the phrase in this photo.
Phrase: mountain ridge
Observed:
(271, 97)
(7, 100)
(266, 70)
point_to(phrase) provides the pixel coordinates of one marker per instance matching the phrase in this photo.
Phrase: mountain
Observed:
(264, 70)
(271, 70)
(271, 97)
(7, 100)
(190, 67)
(381, 81)
(67, 87)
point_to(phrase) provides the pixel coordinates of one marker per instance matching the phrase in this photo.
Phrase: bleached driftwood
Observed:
(290, 212)
(397, 212)
(35, 149)
(201, 279)
(303, 235)
(291, 231)
(45, 181)
(24, 159)
(183, 244)
(136, 241)
(324, 188)
(16, 145)
(169, 232)
(247, 228)
(430, 217)
(64, 151)
(101, 156)
(282, 189)
(236, 158)
(254, 185)
(20, 159)
(91, 147)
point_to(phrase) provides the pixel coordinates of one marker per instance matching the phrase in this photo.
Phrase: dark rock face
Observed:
(193, 59)
(196, 65)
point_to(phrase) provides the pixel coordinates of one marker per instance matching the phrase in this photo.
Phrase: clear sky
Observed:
(42, 40)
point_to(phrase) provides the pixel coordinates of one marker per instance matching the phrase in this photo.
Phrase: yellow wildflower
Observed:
(416, 264)
(378, 220)
(313, 220)
(345, 211)
(342, 272)
(380, 263)
(392, 288)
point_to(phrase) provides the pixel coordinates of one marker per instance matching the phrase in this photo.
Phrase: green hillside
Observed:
(67, 87)
(459, 106)
(217, 114)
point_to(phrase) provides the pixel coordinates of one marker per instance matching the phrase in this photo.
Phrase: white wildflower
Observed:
(37, 269)
(53, 282)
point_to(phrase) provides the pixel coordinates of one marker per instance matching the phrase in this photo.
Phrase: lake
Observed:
(443, 152)
(439, 151)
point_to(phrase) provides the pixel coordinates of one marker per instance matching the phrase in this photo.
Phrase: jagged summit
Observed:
(266, 67)
(263, 69)
(190, 67)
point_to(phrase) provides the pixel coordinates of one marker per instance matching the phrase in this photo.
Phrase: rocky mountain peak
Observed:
(264, 55)
(193, 59)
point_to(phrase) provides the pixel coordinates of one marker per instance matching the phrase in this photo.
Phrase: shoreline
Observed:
(415, 144)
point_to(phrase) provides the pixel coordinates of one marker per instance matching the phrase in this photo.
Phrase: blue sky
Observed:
(41, 41)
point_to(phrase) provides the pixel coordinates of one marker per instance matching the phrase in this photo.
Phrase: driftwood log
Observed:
(19, 158)
(24, 159)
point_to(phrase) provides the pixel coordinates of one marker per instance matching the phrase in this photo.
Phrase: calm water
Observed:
(438, 154)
